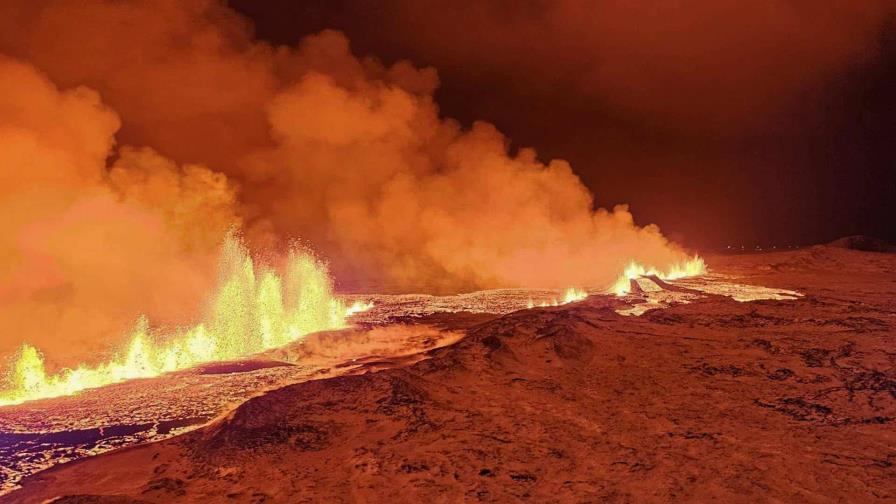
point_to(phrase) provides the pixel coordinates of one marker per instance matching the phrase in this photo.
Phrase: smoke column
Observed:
(134, 135)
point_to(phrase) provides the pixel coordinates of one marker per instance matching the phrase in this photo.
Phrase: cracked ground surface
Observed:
(715, 400)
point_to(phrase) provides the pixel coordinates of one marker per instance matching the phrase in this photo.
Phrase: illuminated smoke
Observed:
(134, 134)
(84, 249)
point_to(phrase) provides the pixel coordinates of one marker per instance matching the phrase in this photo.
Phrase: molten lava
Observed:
(693, 267)
(571, 295)
(254, 309)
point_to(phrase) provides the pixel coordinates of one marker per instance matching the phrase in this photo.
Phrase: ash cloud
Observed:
(727, 122)
(136, 133)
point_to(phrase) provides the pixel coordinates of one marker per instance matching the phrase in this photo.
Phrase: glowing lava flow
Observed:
(254, 309)
(692, 267)
(358, 307)
(570, 296)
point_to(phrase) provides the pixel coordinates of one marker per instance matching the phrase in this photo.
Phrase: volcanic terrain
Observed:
(711, 391)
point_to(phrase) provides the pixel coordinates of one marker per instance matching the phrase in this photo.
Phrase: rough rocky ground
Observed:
(40, 434)
(713, 401)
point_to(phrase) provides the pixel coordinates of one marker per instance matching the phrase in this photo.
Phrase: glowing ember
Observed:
(254, 309)
(693, 267)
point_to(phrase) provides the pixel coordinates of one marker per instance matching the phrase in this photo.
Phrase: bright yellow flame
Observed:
(692, 267)
(358, 307)
(571, 295)
(254, 309)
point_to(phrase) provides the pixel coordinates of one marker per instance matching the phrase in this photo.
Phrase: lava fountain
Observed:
(254, 308)
(692, 267)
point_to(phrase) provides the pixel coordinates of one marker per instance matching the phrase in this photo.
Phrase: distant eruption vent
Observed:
(693, 267)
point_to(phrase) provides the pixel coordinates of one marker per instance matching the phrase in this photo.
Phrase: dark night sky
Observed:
(721, 127)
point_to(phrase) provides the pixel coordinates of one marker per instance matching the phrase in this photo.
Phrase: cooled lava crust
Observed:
(713, 401)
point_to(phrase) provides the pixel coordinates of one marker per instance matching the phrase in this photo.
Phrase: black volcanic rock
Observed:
(863, 243)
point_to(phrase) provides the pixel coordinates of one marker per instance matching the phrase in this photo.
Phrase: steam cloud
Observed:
(134, 134)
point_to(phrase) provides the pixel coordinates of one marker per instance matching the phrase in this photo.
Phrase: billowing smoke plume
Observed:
(134, 134)
(85, 248)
